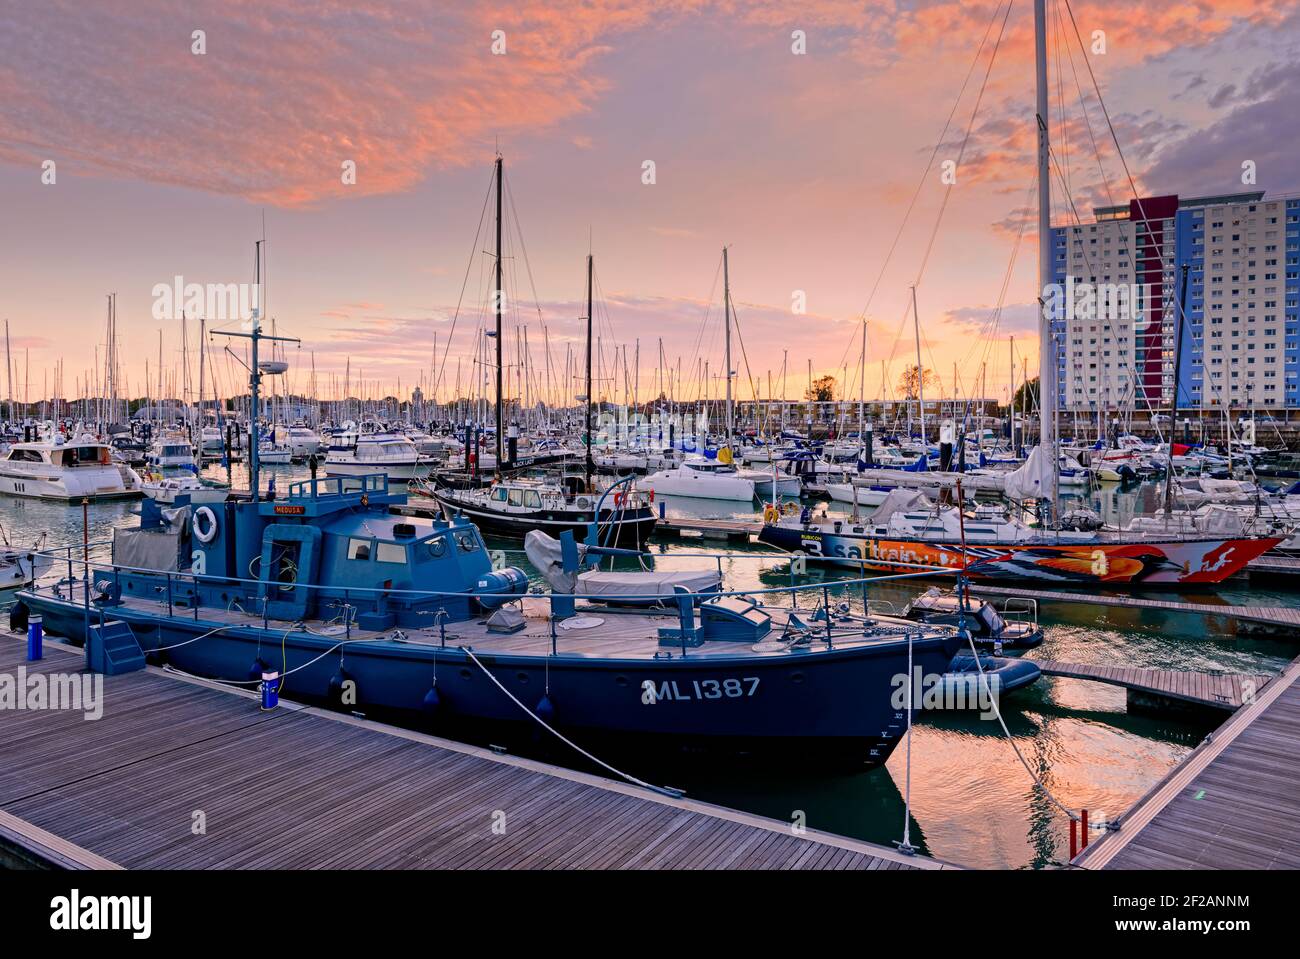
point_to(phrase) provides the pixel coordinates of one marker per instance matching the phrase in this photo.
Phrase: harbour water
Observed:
(971, 802)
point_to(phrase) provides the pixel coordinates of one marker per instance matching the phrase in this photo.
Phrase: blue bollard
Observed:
(662, 511)
(270, 688)
(35, 636)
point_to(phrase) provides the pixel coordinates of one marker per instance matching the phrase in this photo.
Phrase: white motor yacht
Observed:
(63, 470)
(386, 453)
(701, 478)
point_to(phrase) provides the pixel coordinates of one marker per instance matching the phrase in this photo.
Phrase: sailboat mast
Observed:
(726, 309)
(862, 388)
(920, 370)
(1046, 345)
(589, 464)
(498, 301)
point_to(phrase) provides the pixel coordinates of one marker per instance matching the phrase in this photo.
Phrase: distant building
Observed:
(1240, 342)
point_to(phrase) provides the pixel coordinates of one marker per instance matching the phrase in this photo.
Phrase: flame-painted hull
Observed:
(1144, 563)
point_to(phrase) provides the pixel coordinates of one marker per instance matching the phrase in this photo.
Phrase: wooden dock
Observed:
(1273, 566)
(1232, 803)
(728, 529)
(1226, 691)
(182, 773)
(1282, 618)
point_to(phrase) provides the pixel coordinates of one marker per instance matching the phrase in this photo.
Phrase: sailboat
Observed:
(907, 529)
(514, 507)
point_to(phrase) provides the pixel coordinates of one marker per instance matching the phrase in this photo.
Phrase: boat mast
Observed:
(202, 350)
(920, 372)
(1046, 345)
(1173, 419)
(726, 309)
(589, 463)
(1011, 401)
(862, 393)
(498, 300)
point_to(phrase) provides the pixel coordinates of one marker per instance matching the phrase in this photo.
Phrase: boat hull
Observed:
(631, 531)
(1147, 563)
(83, 483)
(832, 704)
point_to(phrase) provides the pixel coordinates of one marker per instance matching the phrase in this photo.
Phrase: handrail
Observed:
(922, 571)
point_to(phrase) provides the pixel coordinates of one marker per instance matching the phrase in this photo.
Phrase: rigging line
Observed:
(1181, 308)
(947, 194)
(934, 231)
(995, 317)
(930, 165)
(523, 248)
(1087, 118)
(464, 285)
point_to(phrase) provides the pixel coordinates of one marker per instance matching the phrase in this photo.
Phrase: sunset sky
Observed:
(167, 162)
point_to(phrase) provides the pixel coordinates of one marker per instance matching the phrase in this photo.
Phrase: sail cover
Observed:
(1032, 479)
(900, 500)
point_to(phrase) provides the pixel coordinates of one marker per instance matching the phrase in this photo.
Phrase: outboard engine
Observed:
(497, 587)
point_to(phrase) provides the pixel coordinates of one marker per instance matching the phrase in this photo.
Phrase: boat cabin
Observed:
(329, 550)
(71, 456)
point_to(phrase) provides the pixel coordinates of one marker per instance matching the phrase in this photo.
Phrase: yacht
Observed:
(69, 471)
(514, 507)
(211, 441)
(171, 454)
(703, 479)
(300, 440)
(165, 490)
(395, 456)
(908, 530)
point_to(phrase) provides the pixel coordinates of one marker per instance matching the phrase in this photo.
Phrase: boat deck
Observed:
(611, 634)
(306, 788)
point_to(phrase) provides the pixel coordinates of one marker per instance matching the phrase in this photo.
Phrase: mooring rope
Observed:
(662, 790)
(970, 638)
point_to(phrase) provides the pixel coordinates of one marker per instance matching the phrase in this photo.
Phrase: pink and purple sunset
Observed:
(798, 135)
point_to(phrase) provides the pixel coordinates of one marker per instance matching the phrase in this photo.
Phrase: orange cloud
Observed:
(289, 90)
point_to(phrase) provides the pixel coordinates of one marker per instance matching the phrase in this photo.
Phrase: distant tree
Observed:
(913, 379)
(1029, 389)
(822, 390)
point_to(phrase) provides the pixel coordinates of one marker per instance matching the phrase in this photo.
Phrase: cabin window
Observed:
(358, 549)
(516, 497)
(437, 547)
(499, 494)
(466, 541)
(532, 499)
(24, 456)
(390, 553)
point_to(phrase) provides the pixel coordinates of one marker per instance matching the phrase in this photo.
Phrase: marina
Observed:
(718, 438)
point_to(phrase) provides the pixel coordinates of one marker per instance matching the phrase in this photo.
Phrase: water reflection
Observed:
(972, 802)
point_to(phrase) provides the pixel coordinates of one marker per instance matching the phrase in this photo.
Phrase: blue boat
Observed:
(324, 595)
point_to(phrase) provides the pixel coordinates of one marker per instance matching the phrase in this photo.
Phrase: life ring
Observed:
(770, 514)
(204, 524)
